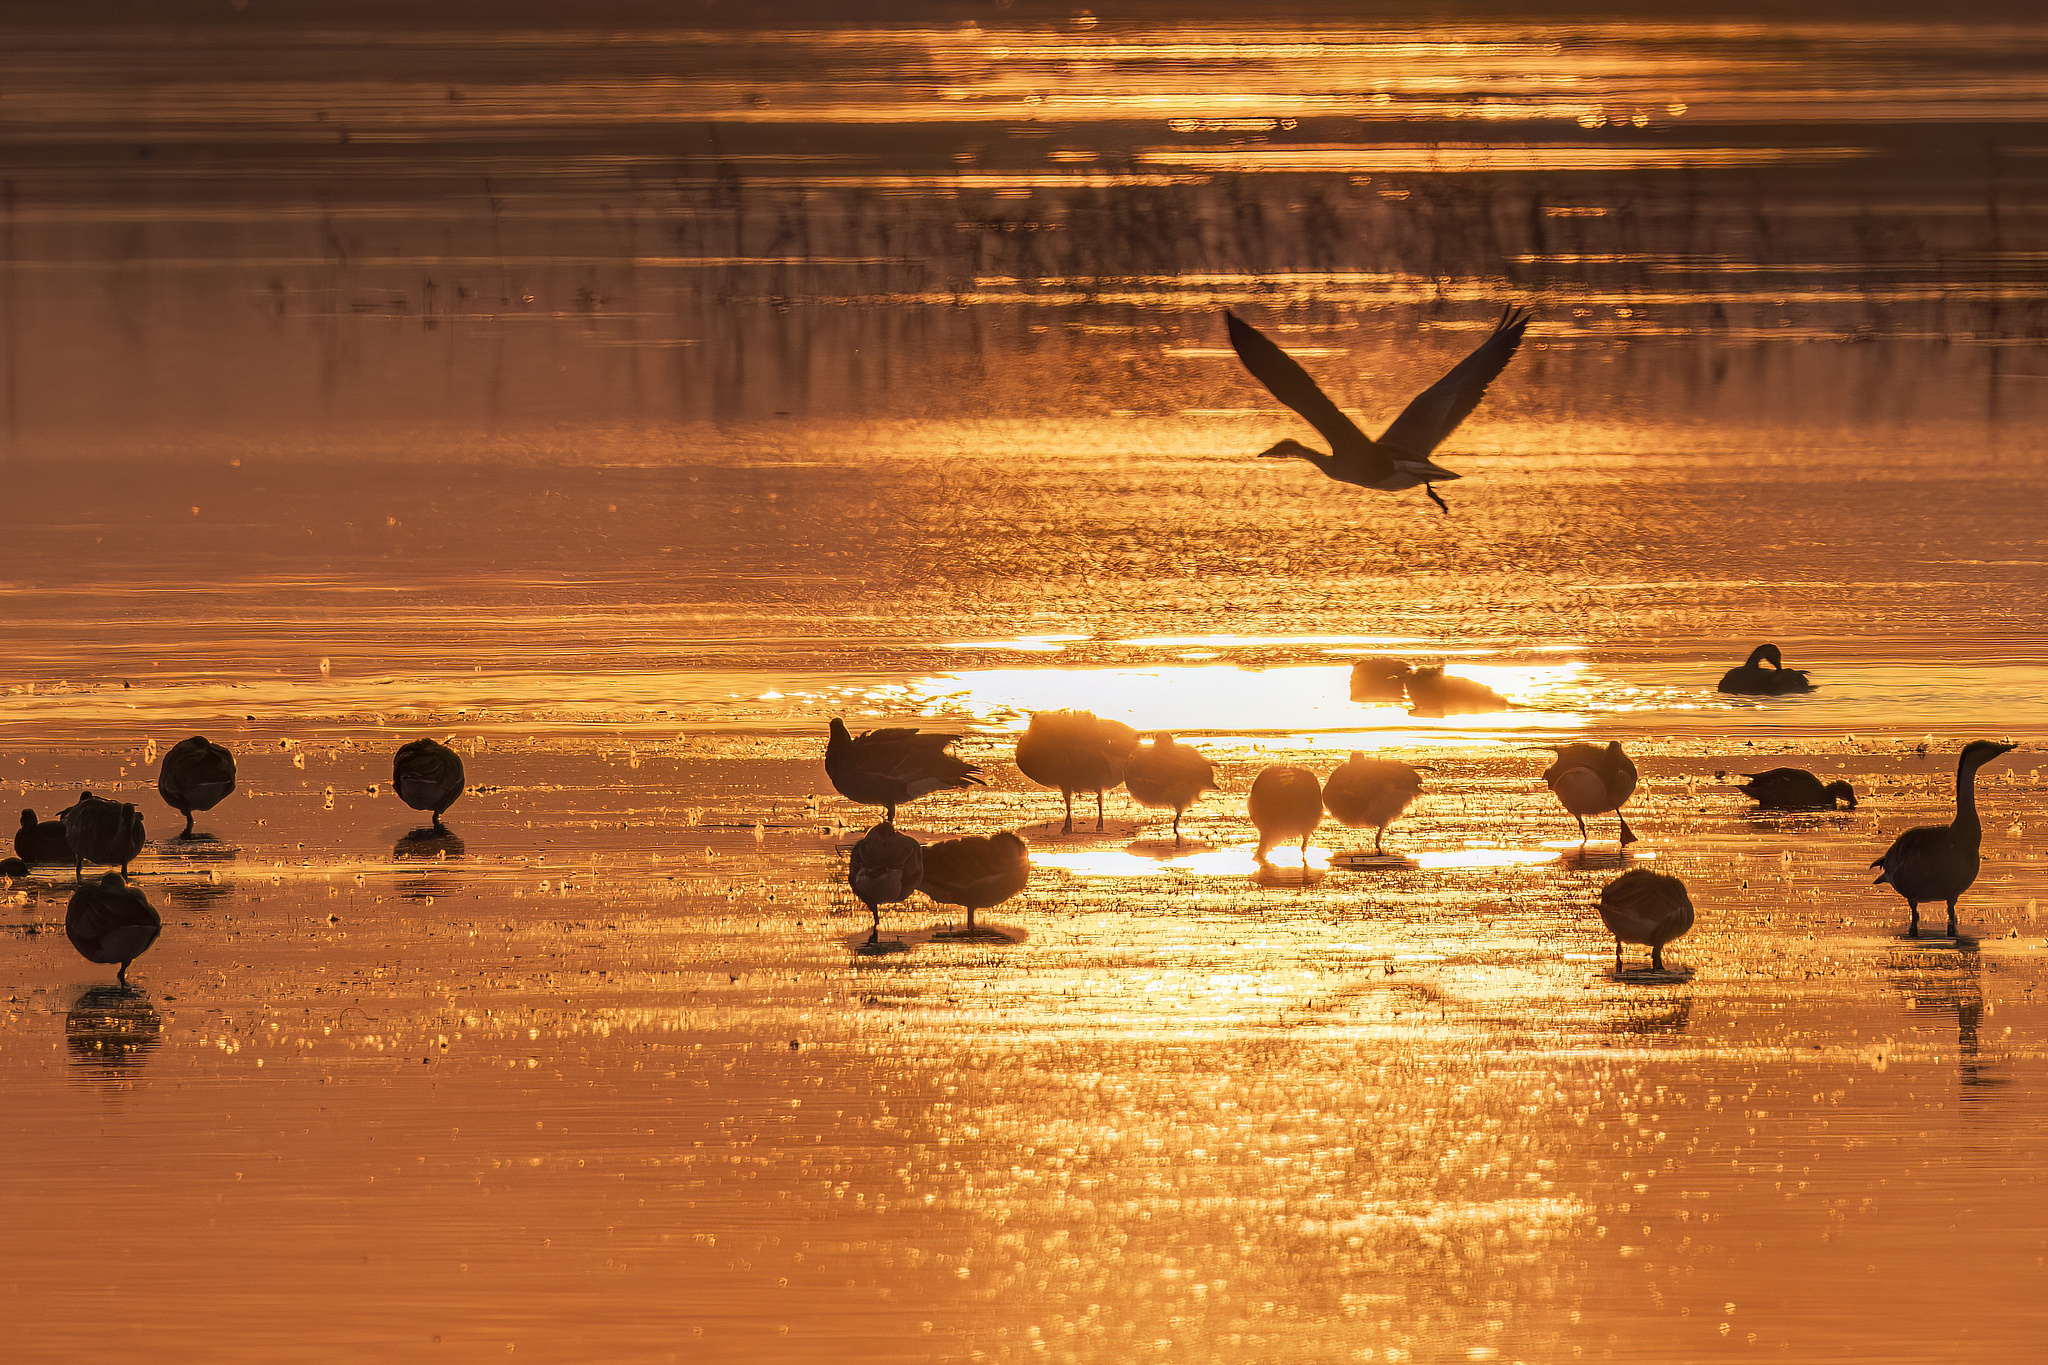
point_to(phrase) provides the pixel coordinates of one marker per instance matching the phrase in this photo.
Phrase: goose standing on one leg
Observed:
(428, 776)
(889, 768)
(101, 831)
(1371, 792)
(884, 869)
(1641, 906)
(195, 776)
(1794, 789)
(1166, 775)
(1285, 802)
(1076, 751)
(1938, 862)
(110, 921)
(1590, 780)
(975, 873)
(1400, 457)
(1750, 680)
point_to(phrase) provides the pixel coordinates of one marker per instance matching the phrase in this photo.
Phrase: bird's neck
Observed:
(1966, 798)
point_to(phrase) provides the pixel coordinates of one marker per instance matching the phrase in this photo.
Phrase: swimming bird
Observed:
(1169, 776)
(41, 841)
(427, 776)
(1433, 692)
(976, 872)
(1076, 752)
(1590, 780)
(1650, 908)
(1750, 680)
(1379, 680)
(195, 776)
(1795, 789)
(1400, 457)
(1938, 862)
(110, 921)
(102, 831)
(1285, 802)
(888, 768)
(884, 870)
(1371, 791)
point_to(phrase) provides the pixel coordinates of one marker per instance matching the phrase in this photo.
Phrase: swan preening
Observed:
(1795, 789)
(1590, 780)
(110, 921)
(1752, 680)
(1939, 862)
(890, 768)
(427, 776)
(196, 775)
(1076, 751)
(1399, 459)
(1168, 776)
(1645, 907)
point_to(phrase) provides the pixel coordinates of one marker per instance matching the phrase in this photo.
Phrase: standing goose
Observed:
(888, 768)
(976, 872)
(1795, 789)
(1938, 862)
(41, 841)
(1285, 803)
(1371, 791)
(1590, 780)
(884, 870)
(1641, 906)
(427, 776)
(1076, 752)
(1170, 776)
(110, 921)
(1399, 458)
(1750, 680)
(195, 776)
(101, 831)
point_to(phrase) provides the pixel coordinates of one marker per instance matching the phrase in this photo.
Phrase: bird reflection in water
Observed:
(199, 846)
(111, 1031)
(1948, 978)
(429, 841)
(204, 893)
(1652, 1018)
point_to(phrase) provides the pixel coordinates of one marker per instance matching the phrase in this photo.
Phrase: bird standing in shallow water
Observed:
(884, 869)
(889, 768)
(1371, 792)
(1939, 862)
(1751, 680)
(195, 775)
(1285, 802)
(101, 831)
(1167, 775)
(41, 841)
(1400, 457)
(1795, 789)
(1641, 906)
(1590, 780)
(1076, 752)
(1433, 692)
(427, 776)
(110, 921)
(976, 872)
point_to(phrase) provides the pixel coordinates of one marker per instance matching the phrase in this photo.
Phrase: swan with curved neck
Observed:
(1939, 862)
(1754, 680)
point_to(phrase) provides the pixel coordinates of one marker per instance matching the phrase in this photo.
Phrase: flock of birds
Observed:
(1077, 753)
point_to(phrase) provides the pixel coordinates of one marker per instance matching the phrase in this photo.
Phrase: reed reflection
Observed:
(112, 1031)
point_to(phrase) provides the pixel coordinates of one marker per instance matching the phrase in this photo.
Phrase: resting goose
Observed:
(1371, 792)
(1168, 776)
(1076, 751)
(110, 921)
(427, 776)
(1590, 780)
(1795, 789)
(1285, 803)
(195, 776)
(884, 870)
(1641, 906)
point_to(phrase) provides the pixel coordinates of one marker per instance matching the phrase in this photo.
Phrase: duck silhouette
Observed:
(41, 841)
(1399, 459)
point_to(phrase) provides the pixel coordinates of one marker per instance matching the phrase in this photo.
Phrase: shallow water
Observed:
(619, 405)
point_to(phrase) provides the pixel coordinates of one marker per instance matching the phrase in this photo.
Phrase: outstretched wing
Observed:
(1436, 412)
(1288, 382)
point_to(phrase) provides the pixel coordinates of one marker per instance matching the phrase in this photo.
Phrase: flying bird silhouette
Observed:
(1400, 457)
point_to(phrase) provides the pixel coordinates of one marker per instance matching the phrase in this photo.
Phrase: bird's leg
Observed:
(122, 975)
(1952, 918)
(1379, 840)
(188, 826)
(1914, 932)
(890, 817)
(1099, 821)
(79, 871)
(876, 911)
(437, 821)
(1617, 954)
(970, 917)
(1657, 957)
(1068, 828)
(1582, 829)
(1436, 498)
